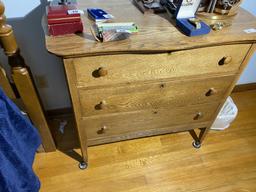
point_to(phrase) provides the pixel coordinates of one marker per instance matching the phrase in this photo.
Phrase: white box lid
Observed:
(187, 9)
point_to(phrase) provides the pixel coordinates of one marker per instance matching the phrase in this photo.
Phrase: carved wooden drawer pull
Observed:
(225, 60)
(199, 115)
(211, 91)
(102, 130)
(102, 72)
(101, 105)
(162, 85)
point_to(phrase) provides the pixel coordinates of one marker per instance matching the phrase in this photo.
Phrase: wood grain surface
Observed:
(229, 90)
(130, 68)
(156, 33)
(225, 163)
(155, 95)
(159, 52)
(70, 74)
(140, 133)
(123, 123)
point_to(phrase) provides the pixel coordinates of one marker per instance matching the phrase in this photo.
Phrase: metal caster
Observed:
(82, 165)
(196, 144)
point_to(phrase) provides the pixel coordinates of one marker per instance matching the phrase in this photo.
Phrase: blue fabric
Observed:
(19, 141)
(188, 29)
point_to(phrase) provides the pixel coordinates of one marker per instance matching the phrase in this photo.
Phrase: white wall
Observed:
(14, 9)
(30, 38)
(249, 75)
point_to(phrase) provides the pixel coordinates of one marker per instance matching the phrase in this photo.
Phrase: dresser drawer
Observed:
(125, 123)
(126, 68)
(152, 96)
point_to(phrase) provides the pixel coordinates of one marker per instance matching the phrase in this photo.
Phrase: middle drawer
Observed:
(152, 96)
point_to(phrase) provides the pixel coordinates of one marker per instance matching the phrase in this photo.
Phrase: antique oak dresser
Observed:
(156, 82)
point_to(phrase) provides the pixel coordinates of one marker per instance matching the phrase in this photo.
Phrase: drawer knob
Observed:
(199, 115)
(101, 105)
(210, 92)
(162, 85)
(102, 72)
(225, 60)
(102, 130)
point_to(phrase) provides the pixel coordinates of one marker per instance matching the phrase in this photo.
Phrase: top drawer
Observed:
(126, 68)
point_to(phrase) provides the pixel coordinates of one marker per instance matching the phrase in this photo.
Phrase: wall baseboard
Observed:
(244, 87)
(59, 112)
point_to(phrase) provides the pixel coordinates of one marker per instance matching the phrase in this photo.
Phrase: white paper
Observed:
(75, 11)
(252, 30)
(188, 9)
(108, 16)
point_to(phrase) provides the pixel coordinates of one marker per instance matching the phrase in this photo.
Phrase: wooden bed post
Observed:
(23, 80)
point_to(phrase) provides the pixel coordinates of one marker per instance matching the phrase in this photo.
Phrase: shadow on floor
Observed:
(65, 135)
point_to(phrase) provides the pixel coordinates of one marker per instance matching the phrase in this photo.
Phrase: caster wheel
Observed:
(196, 144)
(82, 165)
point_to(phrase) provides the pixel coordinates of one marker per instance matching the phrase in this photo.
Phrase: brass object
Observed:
(226, 7)
(218, 9)
(219, 26)
(195, 22)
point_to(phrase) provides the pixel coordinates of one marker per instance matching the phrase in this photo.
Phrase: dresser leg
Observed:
(83, 165)
(83, 143)
(202, 134)
(198, 139)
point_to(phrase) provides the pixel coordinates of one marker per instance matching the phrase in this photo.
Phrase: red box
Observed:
(60, 22)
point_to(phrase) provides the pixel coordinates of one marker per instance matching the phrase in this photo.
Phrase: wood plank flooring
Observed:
(225, 163)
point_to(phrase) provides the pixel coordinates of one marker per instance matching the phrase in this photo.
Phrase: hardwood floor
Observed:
(225, 163)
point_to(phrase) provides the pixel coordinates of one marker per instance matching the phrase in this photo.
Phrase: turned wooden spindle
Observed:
(24, 82)
(8, 41)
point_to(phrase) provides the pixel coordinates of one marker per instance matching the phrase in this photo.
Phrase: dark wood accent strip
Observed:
(244, 87)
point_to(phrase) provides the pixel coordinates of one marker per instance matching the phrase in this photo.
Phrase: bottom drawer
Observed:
(103, 129)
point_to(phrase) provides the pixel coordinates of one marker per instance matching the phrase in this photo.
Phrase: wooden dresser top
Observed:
(157, 33)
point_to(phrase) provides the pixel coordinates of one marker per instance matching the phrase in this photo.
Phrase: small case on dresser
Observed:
(60, 22)
(187, 21)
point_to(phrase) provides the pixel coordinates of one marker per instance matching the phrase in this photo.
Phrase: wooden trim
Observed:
(4, 83)
(244, 87)
(29, 96)
(82, 135)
